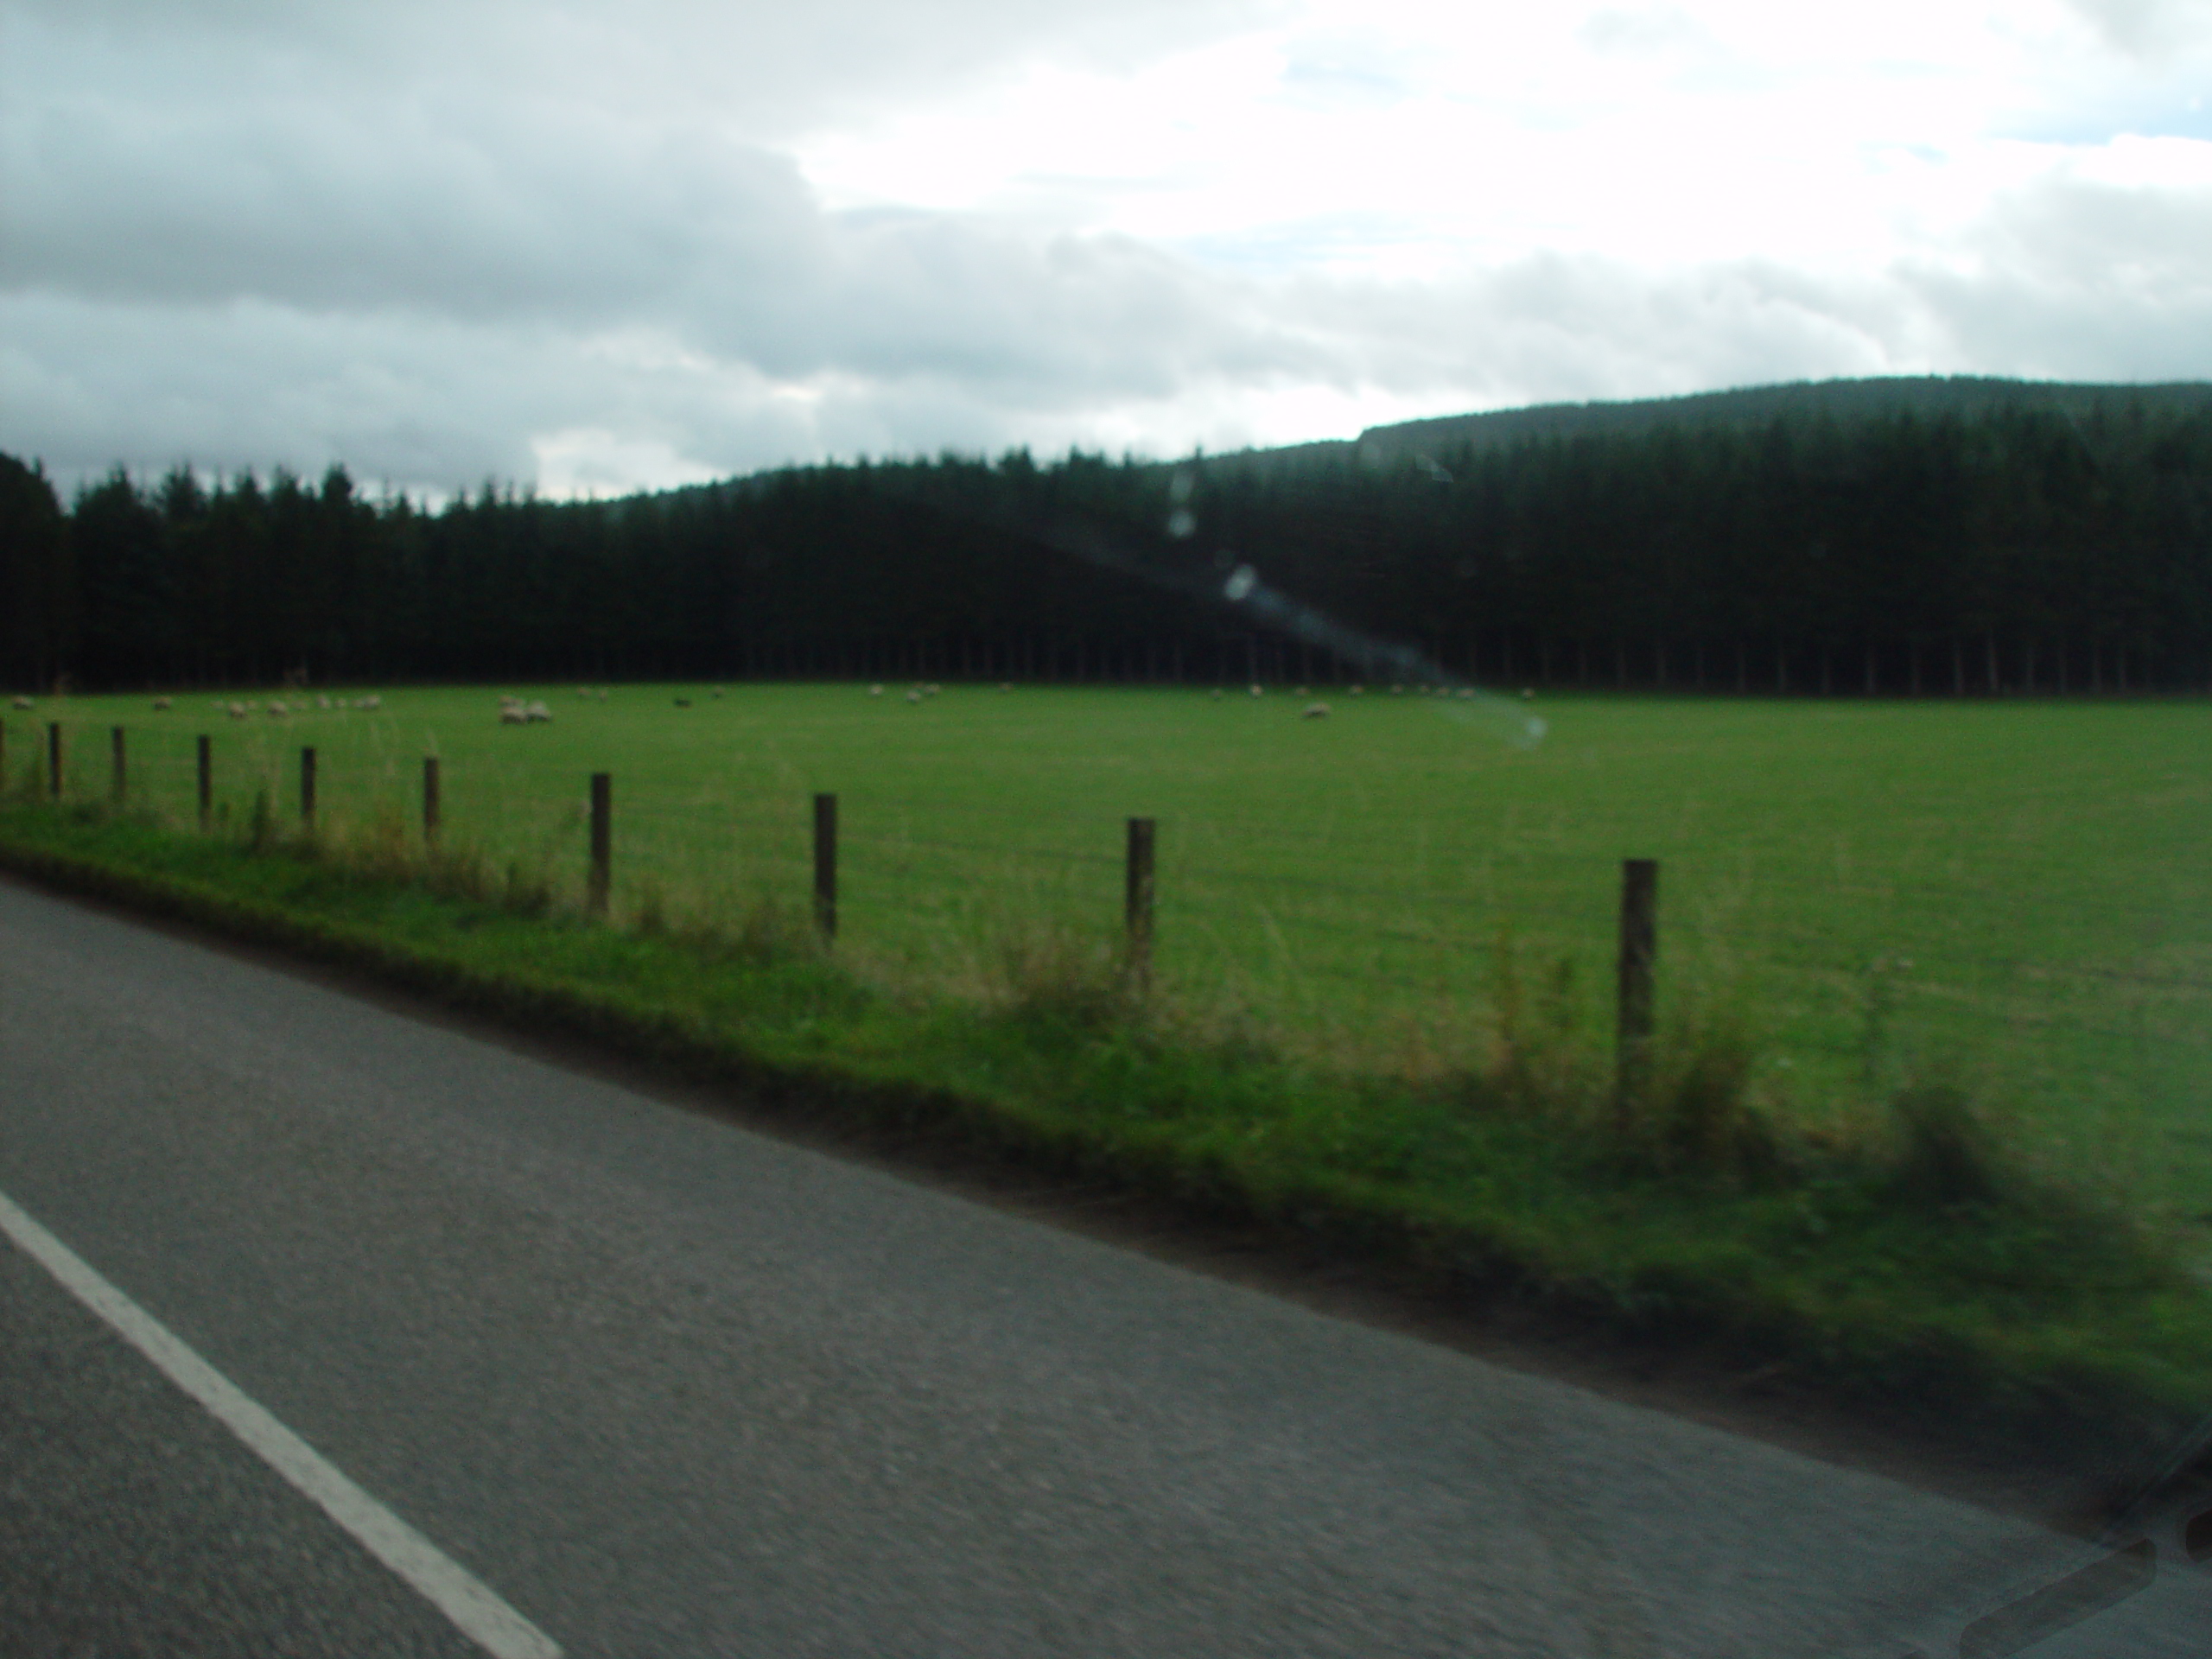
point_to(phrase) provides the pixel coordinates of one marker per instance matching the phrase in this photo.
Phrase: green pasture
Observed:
(2019, 891)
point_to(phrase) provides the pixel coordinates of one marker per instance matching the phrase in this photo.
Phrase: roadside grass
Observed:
(1905, 1250)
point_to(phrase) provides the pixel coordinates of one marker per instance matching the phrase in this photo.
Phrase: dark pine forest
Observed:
(1902, 537)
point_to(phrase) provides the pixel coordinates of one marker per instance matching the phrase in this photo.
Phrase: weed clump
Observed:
(1700, 1115)
(526, 889)
(764, 932)
(1543, 1062)
(1943, 1155)
(261, 831)
(1050, 974)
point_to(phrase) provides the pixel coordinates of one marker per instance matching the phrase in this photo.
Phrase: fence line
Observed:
(1200, 916)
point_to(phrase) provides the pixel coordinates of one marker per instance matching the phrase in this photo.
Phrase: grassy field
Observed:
(2017, 892)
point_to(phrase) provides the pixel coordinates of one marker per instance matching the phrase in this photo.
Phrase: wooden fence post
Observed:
(1639, 957)
(1137, 902)
(54, 759)
(307, 787)
(825, 866)
(121, 776)
(430, 800)
(207, 759)
(602, 842)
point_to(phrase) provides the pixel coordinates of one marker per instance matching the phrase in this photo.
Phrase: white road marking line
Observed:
(475, 1610)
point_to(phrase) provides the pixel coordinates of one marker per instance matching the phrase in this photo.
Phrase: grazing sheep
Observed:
(25, 703)
(1217, 694)
(684, 702)
(511, 715)
(1315, 711)
(277, 710)
(1528, 694)
(1259, 691)
(236, 710)
(160, 705)
(602, 695)
(583, 690)
(914, 696)
(537, 713)
(1006, 685)
(1466, 690)
(323, 703)
(875, 690)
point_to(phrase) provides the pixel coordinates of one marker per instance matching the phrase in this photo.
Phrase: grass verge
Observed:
(1905, 1262)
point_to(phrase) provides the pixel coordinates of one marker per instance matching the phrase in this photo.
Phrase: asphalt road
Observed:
(671, 1386)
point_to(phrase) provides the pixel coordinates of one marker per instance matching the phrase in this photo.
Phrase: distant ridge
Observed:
(1927, 394)
(1858, 399)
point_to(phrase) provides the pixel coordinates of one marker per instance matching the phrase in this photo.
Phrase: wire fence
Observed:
(1365, 934)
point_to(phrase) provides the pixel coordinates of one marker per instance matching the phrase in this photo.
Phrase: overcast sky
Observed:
(604, 244)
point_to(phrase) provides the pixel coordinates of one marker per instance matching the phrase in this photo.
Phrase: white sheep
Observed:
(583, 690)
(1259, 691)
(236, 710)
(914, 696)
(1359, 690)
(1315, 711)
(875, 690)
(536, 714)
(370, 703)
(511, 714)
(278, 710)
(1466, 691)
(160, 705)
(25, 703)
(323, 703)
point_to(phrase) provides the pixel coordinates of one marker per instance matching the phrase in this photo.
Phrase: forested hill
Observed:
(1900, 536)
(1924, 396)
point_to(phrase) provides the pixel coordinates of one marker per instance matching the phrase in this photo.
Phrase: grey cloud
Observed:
(1553, 326)
(2074, 279)
(1653, 32)
(86, 385)
(766, 68)
(2147, 28)
(418, 206)
(523, 213)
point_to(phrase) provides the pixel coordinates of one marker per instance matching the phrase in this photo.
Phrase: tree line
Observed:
(1857, 549)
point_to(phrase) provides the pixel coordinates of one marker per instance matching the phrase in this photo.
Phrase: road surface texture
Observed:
(664, 1386)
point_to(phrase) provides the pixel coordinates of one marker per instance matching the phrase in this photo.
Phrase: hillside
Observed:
(1840, 400)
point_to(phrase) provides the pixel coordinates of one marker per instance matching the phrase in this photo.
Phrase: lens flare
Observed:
(1464, 702)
